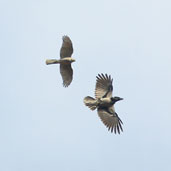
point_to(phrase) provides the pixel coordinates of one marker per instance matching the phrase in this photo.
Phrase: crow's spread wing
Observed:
(104, 86)
(110, 119)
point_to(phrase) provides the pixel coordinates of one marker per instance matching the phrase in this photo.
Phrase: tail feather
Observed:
(90, 102)
(52, 61)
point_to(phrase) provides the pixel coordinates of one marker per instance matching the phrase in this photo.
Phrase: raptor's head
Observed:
(115, 99)
(72, 60)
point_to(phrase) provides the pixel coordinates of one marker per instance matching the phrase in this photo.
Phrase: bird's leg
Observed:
(98, 102)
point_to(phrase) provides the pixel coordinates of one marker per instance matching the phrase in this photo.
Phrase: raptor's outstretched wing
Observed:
(104, 87)
(66, 73)
(67, 48)
(110, 119)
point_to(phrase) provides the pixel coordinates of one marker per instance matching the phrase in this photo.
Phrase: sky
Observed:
(44, 126)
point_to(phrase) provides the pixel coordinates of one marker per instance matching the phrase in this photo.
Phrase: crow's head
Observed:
(115, 99)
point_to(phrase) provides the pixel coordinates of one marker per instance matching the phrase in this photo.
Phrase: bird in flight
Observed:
(104, 103)
(65, 61)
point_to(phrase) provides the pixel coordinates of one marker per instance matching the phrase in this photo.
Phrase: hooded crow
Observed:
(104, 103)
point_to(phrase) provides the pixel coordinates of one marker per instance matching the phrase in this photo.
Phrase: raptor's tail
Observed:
(90, 102)
(52, 61)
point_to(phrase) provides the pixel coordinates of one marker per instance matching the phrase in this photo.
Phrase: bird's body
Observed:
(65, 61)
(104, 103)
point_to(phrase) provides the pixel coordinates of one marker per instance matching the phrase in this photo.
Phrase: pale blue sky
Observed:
(44, 126)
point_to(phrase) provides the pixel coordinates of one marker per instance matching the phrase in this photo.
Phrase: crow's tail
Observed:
(90, 102)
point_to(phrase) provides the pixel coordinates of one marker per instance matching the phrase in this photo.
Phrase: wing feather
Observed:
(104, 87)
(110, 119)
(66, 73)
(67, 48)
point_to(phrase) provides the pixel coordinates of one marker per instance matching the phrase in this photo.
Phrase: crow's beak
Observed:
(121, 98)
